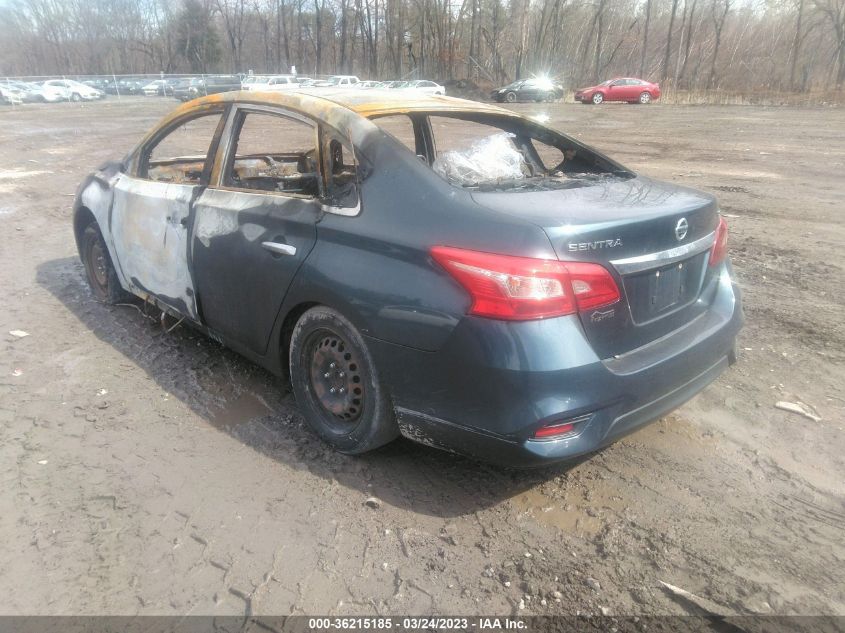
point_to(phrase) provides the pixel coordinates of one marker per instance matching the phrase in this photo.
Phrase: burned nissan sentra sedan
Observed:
(436, 268)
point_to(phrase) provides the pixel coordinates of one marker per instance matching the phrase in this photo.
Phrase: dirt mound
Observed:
(467, 89)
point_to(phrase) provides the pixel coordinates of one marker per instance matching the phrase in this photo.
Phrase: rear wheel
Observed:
(598, 98)
(645, 98)
(75, 97)
(99, 269)
(336, 383)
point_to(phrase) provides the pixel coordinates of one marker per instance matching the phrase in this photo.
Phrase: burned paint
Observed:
(150, 233)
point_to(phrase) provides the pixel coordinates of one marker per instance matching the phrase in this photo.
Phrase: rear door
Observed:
(632, 90)
(256, 223)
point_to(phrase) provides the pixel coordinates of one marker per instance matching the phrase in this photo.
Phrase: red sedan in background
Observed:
(624, 89)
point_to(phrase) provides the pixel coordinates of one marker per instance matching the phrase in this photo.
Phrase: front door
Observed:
(628, 90)
(529, 90)
(615, 91)
(257, 223)
(152, 211)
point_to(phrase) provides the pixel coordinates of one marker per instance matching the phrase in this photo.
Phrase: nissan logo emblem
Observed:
(681, 229)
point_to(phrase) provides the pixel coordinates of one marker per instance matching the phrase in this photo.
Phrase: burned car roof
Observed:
(339, 104)
(352, 113)
(344, 109)
(366, 103)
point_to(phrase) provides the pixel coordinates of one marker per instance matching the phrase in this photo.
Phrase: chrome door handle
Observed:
(279, 249)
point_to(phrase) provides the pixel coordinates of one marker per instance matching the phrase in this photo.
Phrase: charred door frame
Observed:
(137, 167)
(223, 160)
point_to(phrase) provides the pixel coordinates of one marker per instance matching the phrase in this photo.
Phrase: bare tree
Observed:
(719, 13)
(664, 69)
(834, 11)
(695, 44)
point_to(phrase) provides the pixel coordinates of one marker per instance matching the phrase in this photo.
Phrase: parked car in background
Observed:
(433, 267)
(533, 89)
(273, 83)
(370, 84)
(251, 79)
(202, 86)
(154, 88)
(127, 86)
(339, 81)
(76, 90)
(50, 93)
(627, 89)
(424, 86)
(10, 96)
(100, 83)
(170, 84)
(28, 93)
(392, 83)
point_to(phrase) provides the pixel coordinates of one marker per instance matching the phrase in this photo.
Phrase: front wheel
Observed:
(598, 98)
(75, 97)
(336, 383)
(645, 98)
(510, 97)
(99, 269)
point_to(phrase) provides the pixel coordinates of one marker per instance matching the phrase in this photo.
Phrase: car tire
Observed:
(645, 98)
(336, 384)
(75, 97)
(510, 97)
(597, 98)
(99, 269)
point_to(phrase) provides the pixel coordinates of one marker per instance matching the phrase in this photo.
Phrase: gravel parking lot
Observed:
(158, 473)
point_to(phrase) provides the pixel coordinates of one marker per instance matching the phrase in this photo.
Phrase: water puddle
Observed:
(242, 409)
(564, 516)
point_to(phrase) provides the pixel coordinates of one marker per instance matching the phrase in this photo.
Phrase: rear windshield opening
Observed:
(499, 153)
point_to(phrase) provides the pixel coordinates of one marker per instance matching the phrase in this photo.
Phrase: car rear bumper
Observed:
(493, 384)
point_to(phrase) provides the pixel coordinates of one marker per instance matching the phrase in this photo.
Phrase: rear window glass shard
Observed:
(505, 154)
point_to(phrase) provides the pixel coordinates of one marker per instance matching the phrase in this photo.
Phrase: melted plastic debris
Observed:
(488, 160)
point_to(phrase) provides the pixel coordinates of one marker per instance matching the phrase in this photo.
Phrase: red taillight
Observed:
(546, 432)
(720, 247)
(522, 288)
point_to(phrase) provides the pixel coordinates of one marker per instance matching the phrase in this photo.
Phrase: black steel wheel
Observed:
(99, 269)
(336, 384)
(335, 377)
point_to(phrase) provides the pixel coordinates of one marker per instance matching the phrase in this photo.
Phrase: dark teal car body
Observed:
(354, 252)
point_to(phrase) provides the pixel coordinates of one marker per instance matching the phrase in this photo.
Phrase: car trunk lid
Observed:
(655, 239)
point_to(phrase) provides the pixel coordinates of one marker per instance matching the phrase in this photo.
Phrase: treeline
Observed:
(785, 45)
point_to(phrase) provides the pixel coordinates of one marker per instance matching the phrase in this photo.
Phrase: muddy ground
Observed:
(158, 473)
